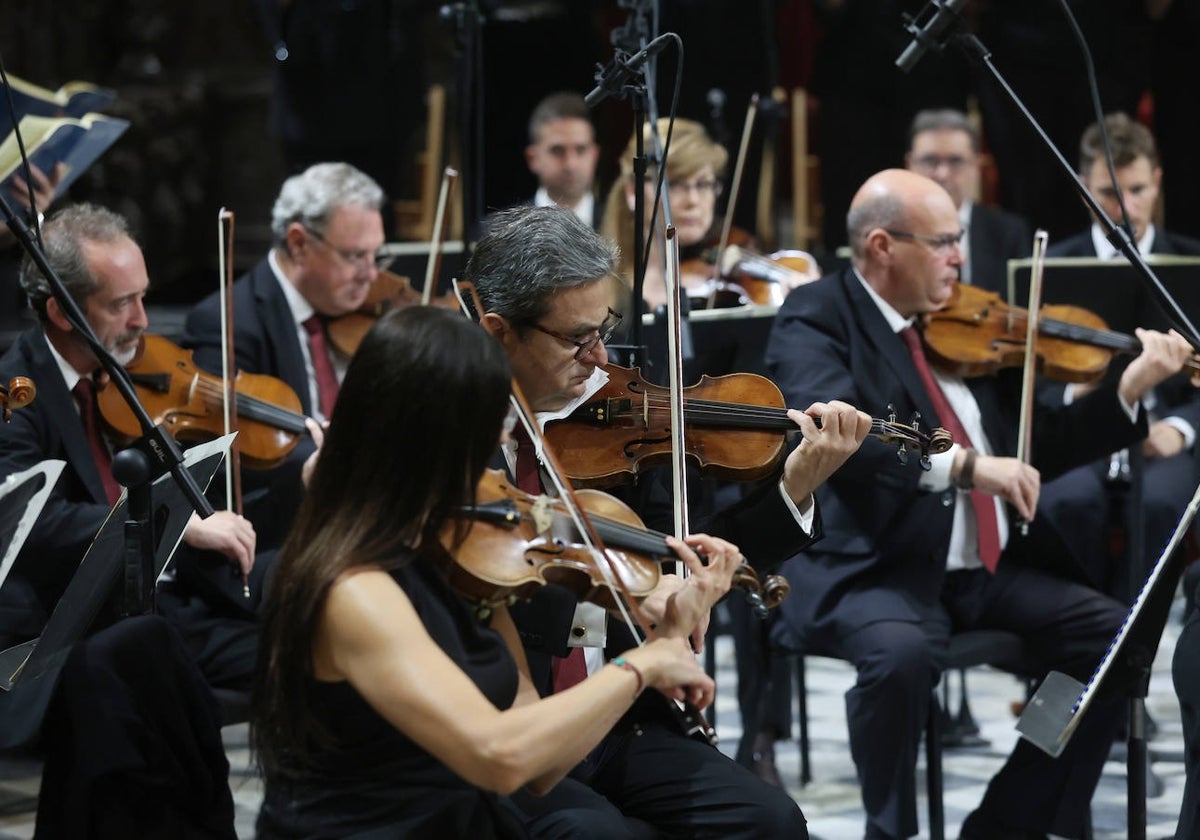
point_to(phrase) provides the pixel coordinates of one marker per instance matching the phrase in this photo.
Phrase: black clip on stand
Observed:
(152, 455)
(1138, 658)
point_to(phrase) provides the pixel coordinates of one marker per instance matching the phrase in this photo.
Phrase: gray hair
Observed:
(311, 197)
(63, 235)
(944, 119)
(529, 254)
(880, 210)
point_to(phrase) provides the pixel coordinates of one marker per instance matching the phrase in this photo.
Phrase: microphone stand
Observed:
(1138, 660)
(151, 455)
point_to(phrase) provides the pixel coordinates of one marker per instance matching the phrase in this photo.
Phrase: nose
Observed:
(138, 319)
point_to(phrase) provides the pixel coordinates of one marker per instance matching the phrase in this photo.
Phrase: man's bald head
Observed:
(890, 199)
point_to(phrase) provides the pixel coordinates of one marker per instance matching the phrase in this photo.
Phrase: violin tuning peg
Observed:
(902, 455)
(891, 413)
(916, 421)
(926, 464)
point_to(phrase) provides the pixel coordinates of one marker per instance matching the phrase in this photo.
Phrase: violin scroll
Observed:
(910, 437)
(764, 595)
(19, 393)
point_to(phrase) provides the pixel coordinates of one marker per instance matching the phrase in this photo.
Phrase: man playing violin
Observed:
(543, 280)
(909, 555)
(104, 271)
(1170, 472)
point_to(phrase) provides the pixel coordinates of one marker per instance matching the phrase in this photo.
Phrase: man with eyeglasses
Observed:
(944, 146)
(908, 554)
(543, 280)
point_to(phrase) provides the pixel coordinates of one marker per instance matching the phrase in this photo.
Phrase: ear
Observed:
(497, 325)
(878, 245)
(296, 237)
(56, 317)
(629, 198)
(530, 156)
(908, 160)
(1156, 177)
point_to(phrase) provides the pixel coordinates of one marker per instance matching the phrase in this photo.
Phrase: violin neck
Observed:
(1108, 339)
(253, 408)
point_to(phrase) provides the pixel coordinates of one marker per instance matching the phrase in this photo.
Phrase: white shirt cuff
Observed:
(804, 520)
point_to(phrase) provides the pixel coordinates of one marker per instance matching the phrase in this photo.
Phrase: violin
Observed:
(515, 543)
(389, 291)
(188, 402)
(977, 333)
(18, 393)
(736, 429)
(740, 275)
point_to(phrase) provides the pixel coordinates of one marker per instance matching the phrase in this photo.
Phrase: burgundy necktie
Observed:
(327, 382)
(985, 508)
(85, 397)
(571, 669)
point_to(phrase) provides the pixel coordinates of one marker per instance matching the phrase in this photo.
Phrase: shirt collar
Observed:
(1105, 250)
(964, 214)
(70, 376)
(300, 308)
(894, 319)
(585, 209)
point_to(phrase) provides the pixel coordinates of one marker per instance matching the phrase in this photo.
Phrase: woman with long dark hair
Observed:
(383, 704)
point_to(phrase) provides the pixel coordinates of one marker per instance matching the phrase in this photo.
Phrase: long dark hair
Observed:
(417, 420)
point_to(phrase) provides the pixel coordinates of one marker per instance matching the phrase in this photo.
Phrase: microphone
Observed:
(925, 37)
(611, 80)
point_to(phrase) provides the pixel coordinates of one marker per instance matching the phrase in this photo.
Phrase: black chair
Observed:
(970, 649)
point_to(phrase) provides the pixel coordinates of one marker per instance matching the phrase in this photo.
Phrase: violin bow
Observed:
(233, 473)
(1029, 371)
(675, 377)
(734, 188)
(438, 236)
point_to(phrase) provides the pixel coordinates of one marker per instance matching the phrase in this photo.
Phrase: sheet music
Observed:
(22, 497)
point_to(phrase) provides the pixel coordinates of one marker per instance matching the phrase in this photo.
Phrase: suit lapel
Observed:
(58, 406)
(280, 332)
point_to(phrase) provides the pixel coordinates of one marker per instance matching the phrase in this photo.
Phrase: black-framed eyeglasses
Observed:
(930, 163)
(584, 346)
(355, 259)
(943, 243)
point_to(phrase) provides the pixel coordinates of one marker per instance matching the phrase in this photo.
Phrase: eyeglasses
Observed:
(706, 186)
(582, 347)
(939, 244)
(355, 259)
(930, 163)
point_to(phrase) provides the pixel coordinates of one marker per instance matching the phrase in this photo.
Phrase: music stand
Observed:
(29, 671)
(731, 340)
(22, 497)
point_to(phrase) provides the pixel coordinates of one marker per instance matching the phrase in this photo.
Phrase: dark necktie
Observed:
(986, 526)
(85, 397)
(571, 669)
(327, 382)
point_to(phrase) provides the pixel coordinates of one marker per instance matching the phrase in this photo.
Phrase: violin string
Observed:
(253, 408)
(1057, 328)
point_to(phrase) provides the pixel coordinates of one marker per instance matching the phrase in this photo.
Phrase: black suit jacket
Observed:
(996, 236)
(1176, 397)
(881, 532)
(47, 428)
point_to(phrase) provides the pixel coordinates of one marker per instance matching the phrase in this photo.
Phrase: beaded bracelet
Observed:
(622, 662)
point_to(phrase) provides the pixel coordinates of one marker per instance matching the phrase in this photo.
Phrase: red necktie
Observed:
(985, 508)
(327, 382)
(571, 669)
(85, 397)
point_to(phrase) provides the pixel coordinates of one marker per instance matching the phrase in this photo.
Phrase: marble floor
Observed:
(831, 800)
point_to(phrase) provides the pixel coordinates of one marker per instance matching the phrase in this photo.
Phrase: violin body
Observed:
(516, 543)
(188, 402)
(626, 426)
(389, 291)
(977, 333)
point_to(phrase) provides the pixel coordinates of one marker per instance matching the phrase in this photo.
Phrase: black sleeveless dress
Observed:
(377, 783)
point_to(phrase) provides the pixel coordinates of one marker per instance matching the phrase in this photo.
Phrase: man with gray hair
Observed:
(907, 554)
(327, 231)
(944, 146)
(104, 272)
(543, 279)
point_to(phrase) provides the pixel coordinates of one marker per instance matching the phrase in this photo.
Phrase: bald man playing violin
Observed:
(543, 279)
(908, 555)
(104, 271)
